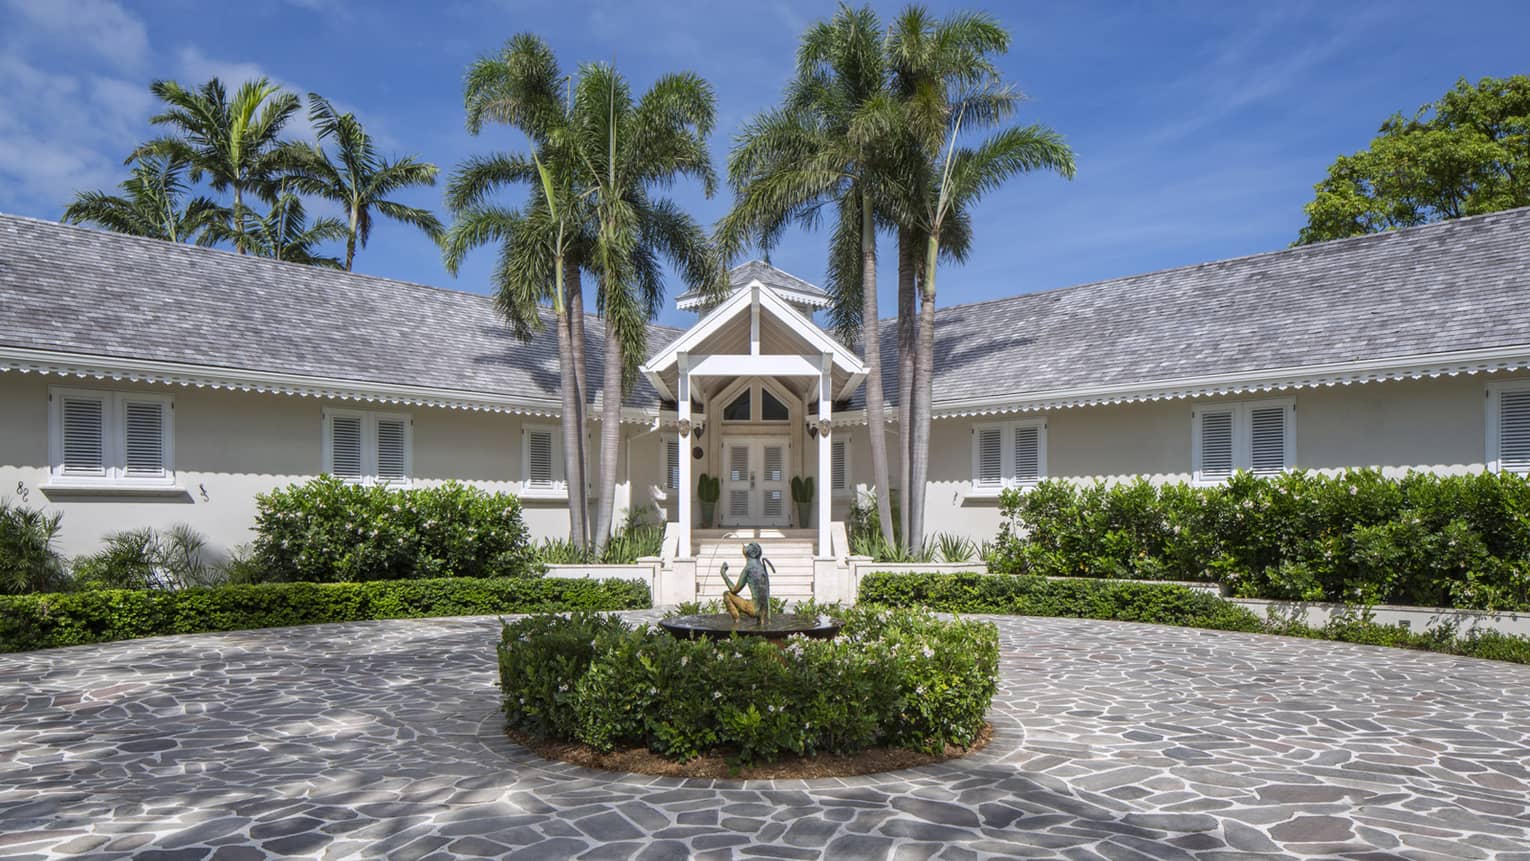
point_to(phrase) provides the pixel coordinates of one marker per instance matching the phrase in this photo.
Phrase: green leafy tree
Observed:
(542, 245)
(235, 144)
(359, 179)
(1466, 154)
(153, 203)
(828, 146)
(947, 83)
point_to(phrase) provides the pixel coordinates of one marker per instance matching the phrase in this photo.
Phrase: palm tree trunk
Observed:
(907, 332)
(872, 346)
(350, 241)
(924, 373)
(570, 419)
(581, 389)
(610, 437)
(238, 219)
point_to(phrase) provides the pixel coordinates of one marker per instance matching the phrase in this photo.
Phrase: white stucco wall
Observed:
(230, 446)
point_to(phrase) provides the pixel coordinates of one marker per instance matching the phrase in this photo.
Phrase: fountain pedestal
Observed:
(720, 626)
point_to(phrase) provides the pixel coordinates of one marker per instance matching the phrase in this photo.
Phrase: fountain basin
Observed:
(720, 626)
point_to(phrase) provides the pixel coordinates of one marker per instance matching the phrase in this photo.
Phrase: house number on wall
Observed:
(21, 490)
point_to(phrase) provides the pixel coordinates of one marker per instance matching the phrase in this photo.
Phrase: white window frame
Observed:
(1243, 439)
(559, 487)
(113, 440)
(1008, 479)
(849, 489)
(1493, 456)
(369, 452)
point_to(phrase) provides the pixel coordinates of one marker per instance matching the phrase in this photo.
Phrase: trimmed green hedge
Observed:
(1353, 538)
(327, 531)
(71, 618)
(1160, 603)
(1121, 600)
(905, 679)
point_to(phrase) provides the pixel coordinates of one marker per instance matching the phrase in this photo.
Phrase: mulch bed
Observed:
(643, 761)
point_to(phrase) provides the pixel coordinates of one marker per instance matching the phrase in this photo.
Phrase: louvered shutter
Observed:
(1216, 441)
(345, 448)
(672, 464)
(738, 463)
(143, 445)
(1027, 455)
(392, 450)
(1267, 445)
(84, 450)
(1514, 430)
(539, 459)
(839, 479)
(989, 466)
(774, 469)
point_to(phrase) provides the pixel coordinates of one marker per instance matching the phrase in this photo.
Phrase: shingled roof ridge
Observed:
(1454, 223)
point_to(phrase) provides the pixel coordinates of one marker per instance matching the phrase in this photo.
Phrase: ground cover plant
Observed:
(328, 531)
(900, 679)
(1160, 603)
(71, 618)
(1354, 538)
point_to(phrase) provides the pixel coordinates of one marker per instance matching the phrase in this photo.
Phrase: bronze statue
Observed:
(757, 578)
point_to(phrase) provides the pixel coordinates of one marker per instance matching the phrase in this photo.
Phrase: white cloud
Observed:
(102, 26)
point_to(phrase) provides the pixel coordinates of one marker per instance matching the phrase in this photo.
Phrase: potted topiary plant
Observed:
(708, 489)
(802, 495)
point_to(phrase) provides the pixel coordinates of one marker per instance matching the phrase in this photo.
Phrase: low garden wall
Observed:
(647, 572)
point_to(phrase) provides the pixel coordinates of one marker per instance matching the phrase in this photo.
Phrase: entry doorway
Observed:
(755, 484)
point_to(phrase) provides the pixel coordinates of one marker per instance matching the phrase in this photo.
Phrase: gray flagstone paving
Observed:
(1114, 741)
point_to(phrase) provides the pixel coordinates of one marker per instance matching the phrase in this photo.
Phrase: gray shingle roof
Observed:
(1458, 285)
(77, 290)
(770, 276)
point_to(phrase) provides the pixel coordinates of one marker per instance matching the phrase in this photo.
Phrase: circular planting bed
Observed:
(894, 690)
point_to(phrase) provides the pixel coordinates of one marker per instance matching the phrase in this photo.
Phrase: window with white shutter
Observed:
(84, 436)
(672, 464)
(1257, 436)
(368, 448)
(542, 461)
(392, 451)
(1013, 454)
(839, 465)
(110, 439)
(1508, 424)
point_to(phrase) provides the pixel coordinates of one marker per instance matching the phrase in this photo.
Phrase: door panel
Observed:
(754, 486)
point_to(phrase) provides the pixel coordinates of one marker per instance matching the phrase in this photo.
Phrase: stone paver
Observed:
(381, 739)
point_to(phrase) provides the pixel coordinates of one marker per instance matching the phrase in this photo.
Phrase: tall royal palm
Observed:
(544, 243)
(359, 179)
(153, 203)
(285, 233)
(236, 144)
(628, 148)
(946, 82)
(828, 146)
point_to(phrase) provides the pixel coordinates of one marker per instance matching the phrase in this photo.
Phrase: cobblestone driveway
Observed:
(380, 739)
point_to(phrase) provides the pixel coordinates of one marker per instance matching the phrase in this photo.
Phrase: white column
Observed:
(825, 453)
(687, 487)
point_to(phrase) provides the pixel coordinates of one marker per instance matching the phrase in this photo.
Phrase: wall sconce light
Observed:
(684, 425)
(701, 429)
(812, 430)
(819, 427)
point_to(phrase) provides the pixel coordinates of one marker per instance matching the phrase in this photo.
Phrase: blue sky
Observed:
(1200, 128)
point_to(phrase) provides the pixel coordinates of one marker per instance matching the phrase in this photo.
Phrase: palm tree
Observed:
(284, 233)
(362, 178)
(153, 203)
(236, 145)
(542, 245)
(828, 145)
(944, 78)
(626, 149)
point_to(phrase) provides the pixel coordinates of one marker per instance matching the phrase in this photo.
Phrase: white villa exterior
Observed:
(148, 384)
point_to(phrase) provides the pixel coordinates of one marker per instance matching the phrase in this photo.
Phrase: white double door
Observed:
(756, 487)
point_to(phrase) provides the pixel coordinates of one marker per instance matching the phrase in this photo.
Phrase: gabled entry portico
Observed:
(753, 385)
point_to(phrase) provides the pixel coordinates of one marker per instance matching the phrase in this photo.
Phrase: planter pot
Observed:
(708, 512)
(804, 515)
